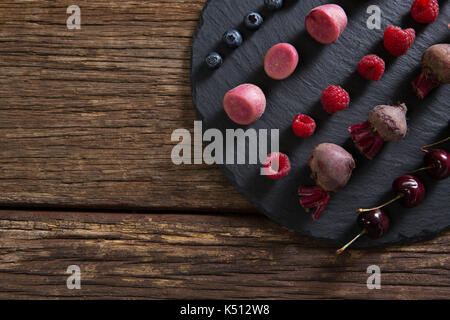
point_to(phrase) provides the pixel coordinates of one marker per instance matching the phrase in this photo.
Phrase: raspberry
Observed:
(398, 41)
(303, 125)
(335, 99)
(425, 11)
(371, 67)
(284, 165)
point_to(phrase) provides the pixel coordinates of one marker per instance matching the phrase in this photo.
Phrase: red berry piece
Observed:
(303, 125)
(277, 165)
(425, 11)
(371, 67)
(397, 41)
(334, 99)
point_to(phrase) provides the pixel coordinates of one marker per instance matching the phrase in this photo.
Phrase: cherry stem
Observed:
(364, 231)
(434, 144)
(401, 195)
(422, 169)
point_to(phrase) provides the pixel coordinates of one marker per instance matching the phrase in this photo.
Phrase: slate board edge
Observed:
(425, 235)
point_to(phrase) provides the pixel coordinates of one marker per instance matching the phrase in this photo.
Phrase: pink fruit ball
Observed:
(244, 104)
(326, 23)
(280, 61)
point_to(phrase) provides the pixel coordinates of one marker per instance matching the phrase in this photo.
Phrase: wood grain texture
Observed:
(86, 116)
(191, 256)
(85, 122)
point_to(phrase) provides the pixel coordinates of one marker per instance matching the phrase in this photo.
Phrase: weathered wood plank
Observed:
(191, 256)
(86, 115)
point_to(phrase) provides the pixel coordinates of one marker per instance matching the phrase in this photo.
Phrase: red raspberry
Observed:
(284, 165)
(425, 11)
(335, 99)
(371, 67)
(398, 41)
(303, 125)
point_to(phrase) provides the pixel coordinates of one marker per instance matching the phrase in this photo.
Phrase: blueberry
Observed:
(273, 4)
(232, 38)
(253, 20)
(213, 60)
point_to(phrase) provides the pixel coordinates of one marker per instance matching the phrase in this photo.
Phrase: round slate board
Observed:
(319, 67)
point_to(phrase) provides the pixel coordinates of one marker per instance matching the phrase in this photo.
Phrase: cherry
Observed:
(437, 161)
(374, 223)
(437, 164)
(410, 191)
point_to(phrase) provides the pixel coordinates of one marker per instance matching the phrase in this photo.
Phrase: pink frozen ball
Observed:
(244, 104)
(280, 61)
(326, 23)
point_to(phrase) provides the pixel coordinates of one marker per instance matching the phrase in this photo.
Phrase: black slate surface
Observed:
(319, 67)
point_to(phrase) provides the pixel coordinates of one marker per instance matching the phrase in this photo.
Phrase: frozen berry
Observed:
(273, 4)
(232, 38)
(303, 125)
(213, 60)
(397, 41)
(253, 20)
(326, 23)
(425, 11)
(280, 61)
(334, 99)
(277, 165)
(371, 67)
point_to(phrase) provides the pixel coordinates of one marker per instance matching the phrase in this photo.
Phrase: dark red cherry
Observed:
(410, 189)
(438, 163)
(375, 222)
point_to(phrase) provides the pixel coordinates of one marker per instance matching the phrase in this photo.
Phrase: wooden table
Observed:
(86, 178)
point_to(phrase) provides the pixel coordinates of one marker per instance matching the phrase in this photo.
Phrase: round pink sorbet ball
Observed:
(244, 104)
(280, 61)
